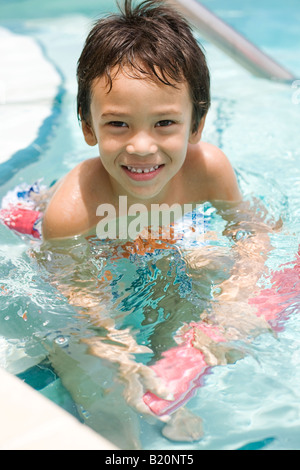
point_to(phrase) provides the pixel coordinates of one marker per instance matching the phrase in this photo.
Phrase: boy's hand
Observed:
(138, 378)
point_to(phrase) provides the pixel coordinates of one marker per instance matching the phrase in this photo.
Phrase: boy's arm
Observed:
(61, 219)
(66, 214)
(220, 179)
(248, 228)
(73, 208)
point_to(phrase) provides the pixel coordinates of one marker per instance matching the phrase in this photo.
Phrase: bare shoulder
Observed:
(70, 209)
(219, 178)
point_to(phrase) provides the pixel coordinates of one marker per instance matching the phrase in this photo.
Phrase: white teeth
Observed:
(140, 170)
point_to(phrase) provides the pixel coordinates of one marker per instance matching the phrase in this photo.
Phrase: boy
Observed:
(143, 95)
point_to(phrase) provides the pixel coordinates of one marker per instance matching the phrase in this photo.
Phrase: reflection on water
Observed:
(130, 307)
(109, 316)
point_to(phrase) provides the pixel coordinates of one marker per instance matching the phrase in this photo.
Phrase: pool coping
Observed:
(30, 421)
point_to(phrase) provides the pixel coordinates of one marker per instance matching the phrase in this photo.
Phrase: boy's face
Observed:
(142, 129)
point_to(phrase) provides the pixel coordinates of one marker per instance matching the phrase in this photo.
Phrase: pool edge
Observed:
(30, 421)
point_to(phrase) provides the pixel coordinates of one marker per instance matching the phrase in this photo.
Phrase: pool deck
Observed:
(29, 421)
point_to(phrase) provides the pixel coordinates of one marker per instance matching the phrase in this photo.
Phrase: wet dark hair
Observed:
(151, 40)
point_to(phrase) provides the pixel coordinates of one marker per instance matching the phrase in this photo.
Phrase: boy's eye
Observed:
(164, 123)
(117, 124)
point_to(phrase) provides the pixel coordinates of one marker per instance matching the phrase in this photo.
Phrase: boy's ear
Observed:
(88, 132)
(195, 137)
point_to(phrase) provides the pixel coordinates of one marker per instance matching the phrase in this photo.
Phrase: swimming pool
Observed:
(254, 121)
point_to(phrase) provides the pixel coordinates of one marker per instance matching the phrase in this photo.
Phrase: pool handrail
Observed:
(231, 42)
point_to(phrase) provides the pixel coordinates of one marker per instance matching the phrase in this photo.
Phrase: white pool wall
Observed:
(29, 421)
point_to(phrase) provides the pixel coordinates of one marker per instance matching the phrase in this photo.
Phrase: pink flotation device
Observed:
(181, 369)
(21, 220)
(19, 210)
(275, 303)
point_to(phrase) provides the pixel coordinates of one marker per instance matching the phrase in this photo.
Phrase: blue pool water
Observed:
(251, 404)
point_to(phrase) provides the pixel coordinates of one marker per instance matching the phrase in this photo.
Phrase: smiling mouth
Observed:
(142, 174)
(139, 170)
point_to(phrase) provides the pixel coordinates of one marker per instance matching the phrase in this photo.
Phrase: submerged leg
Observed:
(99, 397)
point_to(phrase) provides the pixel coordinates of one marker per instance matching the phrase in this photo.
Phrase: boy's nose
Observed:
(141, 144)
